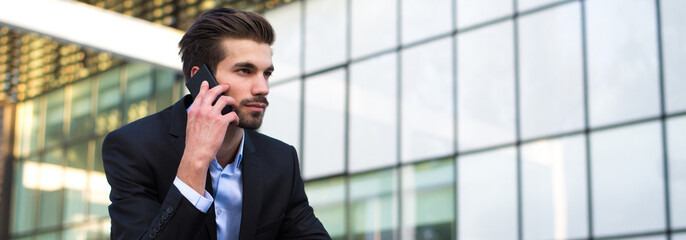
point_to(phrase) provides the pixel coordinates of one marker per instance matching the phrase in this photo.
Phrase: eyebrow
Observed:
(251, 66)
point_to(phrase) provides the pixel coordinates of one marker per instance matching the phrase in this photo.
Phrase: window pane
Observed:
(554, 189)
(164, 88)
(48, 236)
(485, 87)
(676, 140)
(622, 61)
(25, 195)
(373, 203)
(75, 183)
(99, 188)
(425, 18)
(427, 101)
(679, 236)
(138, 91)
(287, 48)
(425, 187)
(51, 183)
(282, 118)
(54, 120)
(324, 124)
(472, 12)
(551, 75)
(327, 198)
(487, 195)
(523, 5)
(674, 53)
(325, 33)
(109, 98)
(79, 232)
(81, 122)
(627, 173)
(374, 26)
(373, 113)
(28, 122)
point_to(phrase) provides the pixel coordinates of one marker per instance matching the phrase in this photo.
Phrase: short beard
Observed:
(251, 120)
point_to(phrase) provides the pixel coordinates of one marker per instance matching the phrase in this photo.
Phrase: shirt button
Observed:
(219, 212)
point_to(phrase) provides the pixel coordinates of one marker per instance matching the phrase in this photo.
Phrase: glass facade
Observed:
(60, 190)
(498, 119)
(438, 119)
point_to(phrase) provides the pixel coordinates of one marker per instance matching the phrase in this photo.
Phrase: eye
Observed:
(243, 71)
(268, 73)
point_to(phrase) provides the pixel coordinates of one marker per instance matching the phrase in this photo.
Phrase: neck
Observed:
(229, 149)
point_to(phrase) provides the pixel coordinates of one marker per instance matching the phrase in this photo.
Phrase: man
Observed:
(189, 172)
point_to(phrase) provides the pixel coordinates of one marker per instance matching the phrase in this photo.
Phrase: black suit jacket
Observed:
(141, 160)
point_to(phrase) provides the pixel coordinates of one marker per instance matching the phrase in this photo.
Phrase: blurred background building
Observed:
(414, 119)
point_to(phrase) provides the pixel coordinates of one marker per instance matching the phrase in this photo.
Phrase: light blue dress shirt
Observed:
(227, 186)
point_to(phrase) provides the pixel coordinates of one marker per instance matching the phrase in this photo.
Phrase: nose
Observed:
(261, 87)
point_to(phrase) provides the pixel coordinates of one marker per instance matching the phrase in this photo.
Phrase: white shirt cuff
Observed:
(202, 203)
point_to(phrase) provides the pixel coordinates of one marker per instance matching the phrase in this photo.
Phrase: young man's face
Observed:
(246, 68)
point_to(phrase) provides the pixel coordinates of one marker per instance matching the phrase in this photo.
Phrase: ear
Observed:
(194, 70)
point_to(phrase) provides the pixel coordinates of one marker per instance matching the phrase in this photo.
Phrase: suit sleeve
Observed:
(136, 211)
(299, 220)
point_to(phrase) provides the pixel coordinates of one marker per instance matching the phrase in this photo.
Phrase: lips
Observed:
(256, 107)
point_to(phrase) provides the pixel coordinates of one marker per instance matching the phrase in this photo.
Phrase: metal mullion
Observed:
(518, 132)
(346, 176)
(589, 179)
(399, 77)
(454, 228)
(663, 125)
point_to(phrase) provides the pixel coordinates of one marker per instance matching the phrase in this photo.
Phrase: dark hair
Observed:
(202, 43)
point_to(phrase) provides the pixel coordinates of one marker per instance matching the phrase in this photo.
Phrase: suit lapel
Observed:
(252, 190)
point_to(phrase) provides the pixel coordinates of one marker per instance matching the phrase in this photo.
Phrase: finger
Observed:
(222, 102)
(201, 93)
(213, 93)
(232, 117)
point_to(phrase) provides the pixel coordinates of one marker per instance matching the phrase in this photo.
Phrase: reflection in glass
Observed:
(81, 123)
(485, 87)
(674, 53)
(109, 98)
(472, 12)
(374, 26)
(164, 88)
(287, 49)
(324, 124)
(49, 178)
(48, 236)
(75, 180)
(327, 198)
(627, 172)
(28, 126)
(54, 120)
(428, 197)
(487, 195)
(554, 198)
(425, 18)
(622, 61)
(373, 203)
(373, 113)
(282, 117)
(24, 201)
(427, 101)
(325, 33)
(551, 75)
(676, 140)
(138, 90)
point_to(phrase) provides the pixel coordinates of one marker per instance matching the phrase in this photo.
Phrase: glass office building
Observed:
(415, 119)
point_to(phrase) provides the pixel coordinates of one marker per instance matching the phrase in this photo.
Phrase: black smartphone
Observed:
(204, 74)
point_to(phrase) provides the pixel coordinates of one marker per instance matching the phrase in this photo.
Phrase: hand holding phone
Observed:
(204, 74)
